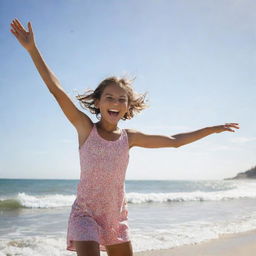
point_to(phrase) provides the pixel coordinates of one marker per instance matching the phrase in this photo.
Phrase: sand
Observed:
(241, 244)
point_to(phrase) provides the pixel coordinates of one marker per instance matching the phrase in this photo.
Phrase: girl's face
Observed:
(113, 98)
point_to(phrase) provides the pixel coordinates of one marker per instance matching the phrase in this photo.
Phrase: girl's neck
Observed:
(107, 127)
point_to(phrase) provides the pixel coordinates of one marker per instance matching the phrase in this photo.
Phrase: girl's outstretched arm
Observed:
(159, 141)
(26, 39)
(186, 138)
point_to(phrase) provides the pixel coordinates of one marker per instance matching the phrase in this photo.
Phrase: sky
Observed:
(195, 59)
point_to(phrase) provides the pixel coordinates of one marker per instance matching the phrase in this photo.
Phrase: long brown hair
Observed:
(136, 101)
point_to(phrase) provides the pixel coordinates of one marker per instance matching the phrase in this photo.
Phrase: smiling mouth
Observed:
(112, 113)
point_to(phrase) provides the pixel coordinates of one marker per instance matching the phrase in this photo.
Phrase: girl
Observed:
(99, 217)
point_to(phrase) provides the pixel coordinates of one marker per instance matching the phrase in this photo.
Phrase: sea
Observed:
(162, 214)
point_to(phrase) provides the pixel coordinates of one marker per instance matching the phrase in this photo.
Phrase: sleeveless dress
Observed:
(100, 212)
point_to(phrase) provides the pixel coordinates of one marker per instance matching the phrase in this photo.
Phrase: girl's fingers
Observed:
(19, 32)
(15, 29)
(227, 128)
(19, 25)
(14, 26)
(29, 27)
(232, 125)
(228, 125)
(13, 32)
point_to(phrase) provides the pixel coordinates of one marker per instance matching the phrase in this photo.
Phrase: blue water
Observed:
(162, 214)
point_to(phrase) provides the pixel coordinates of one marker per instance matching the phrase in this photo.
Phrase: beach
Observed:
(165, 217)
(241, 244)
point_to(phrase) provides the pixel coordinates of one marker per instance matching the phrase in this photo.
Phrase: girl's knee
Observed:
(87, 248)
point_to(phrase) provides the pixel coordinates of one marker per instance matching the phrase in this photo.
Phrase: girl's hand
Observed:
(226, 127)
(26, 38)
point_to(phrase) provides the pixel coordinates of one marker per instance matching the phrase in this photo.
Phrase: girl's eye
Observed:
(121, 100)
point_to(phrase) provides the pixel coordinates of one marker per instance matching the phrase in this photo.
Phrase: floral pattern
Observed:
(100, 211)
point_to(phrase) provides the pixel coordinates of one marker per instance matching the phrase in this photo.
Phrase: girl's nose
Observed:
(115, 101)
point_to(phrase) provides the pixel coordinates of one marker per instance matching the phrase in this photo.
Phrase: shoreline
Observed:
(237, 244)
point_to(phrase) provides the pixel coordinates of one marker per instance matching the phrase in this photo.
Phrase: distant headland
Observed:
(250, 174)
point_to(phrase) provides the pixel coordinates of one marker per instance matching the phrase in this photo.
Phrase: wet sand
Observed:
(241, 244)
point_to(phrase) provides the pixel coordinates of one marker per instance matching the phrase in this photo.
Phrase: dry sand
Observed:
(241, 244)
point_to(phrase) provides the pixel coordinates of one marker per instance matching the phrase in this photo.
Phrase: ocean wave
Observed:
(240, 191)
(23, 200)
(10, 204)
(138, 198)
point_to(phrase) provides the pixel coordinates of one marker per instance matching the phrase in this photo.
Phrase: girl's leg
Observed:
(124, 249)
(87, 248)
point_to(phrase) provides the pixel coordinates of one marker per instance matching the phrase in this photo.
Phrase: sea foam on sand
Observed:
(241, 244)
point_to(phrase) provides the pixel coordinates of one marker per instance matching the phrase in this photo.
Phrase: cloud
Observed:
(220, 147)
(243, 139)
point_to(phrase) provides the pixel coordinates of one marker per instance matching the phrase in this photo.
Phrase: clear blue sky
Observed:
(196, 59)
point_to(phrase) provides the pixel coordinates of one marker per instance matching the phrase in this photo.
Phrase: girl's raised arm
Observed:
(26, 39)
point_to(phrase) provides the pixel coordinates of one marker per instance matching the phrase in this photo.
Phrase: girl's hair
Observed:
(136, 101)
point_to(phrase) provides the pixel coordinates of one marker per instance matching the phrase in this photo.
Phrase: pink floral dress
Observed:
(100, 211)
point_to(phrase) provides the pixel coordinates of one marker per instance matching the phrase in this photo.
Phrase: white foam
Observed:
(36, 246)
(143, 239)
(45, 201)
(188, 233)
(238, 190)
(241, 190)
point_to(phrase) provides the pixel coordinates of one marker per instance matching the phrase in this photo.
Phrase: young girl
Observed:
(99, 217)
